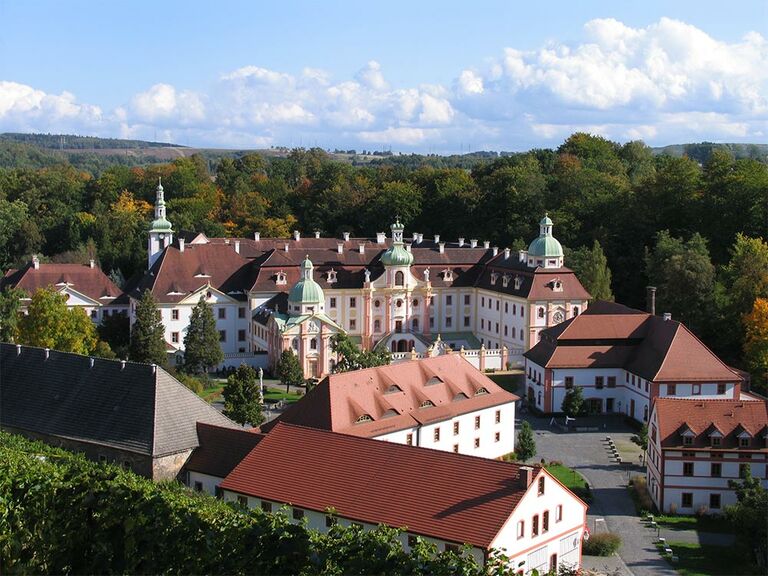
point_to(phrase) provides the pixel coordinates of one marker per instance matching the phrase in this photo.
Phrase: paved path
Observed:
(612, 508)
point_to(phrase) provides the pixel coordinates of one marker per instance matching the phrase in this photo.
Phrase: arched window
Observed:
(426, 404)
(481, 391)
(541, 485)
(399, 278)
(411, 344)
(313, 344)
(295, 343)
(415, 324)
(399, 303)
(364, 418)
(377, 325)
(415, 303)
(541, 312)
(575, 310)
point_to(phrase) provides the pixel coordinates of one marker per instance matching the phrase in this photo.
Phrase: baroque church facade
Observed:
(401, 294)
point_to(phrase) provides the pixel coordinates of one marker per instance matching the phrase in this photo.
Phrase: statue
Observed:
(426, 275)
(367, 275)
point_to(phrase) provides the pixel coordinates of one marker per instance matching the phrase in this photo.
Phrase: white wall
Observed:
(209, 482)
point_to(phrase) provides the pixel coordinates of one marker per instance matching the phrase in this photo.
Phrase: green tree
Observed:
(289, 370)
(115, 330)
(148, 334)
(684, 277)
(573, 402)
(10, 304)
(50, 324)
(591, 268)
(202, 350)
(525, 446)
(351, 357)
(748, 516)
(241, 397)
(756, 343)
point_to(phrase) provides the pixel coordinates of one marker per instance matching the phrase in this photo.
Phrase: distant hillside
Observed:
(702, 151)
(74, 142)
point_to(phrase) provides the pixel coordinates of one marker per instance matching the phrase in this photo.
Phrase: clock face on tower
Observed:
(558, 317)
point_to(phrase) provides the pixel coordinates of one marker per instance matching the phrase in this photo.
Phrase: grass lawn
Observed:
(276, 394)
(213, 393)
(511, 382)
(697, 560)
(702, 524)
(572, 479)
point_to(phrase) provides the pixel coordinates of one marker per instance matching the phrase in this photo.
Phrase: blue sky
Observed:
(413, 76)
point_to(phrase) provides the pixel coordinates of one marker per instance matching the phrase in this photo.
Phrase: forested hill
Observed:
(74, 142)
(694, 229)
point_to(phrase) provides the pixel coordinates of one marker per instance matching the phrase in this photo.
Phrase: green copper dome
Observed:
(546, 245)
(161, 225)
(397, 255)
(306, 290)
(546, 221)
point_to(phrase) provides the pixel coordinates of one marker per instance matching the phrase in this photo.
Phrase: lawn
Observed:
(212, 393)
(511, 381)
(572, 479)
(277, 395)
(701, 523)
(695, 560)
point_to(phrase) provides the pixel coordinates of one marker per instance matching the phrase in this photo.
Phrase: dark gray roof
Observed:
(130, 406)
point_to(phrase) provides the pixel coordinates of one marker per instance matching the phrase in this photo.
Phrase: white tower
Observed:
(161, 231)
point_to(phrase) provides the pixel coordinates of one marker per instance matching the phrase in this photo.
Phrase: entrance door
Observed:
(531, 396)
(313, 369)
(609, 404)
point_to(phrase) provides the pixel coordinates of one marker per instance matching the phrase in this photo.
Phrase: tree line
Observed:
(628, 218)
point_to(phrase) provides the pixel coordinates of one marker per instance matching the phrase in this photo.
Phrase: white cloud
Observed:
(163, 102)
(23, 107)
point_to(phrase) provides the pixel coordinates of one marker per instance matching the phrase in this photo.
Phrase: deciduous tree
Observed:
(591, 268)
(10, 303)
(241, 397)
(756, 342)
(573, 402)
(289, 370)
(351, 357)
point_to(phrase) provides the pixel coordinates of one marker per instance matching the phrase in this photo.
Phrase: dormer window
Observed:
(448, 275)
(433, 380)
(459, 396)
(505, 280)
(744, 442)
(281, 278)
(687, 440)
(716, 441)
(557, 285)
(518, 282)
(426, 404)
(363, 418)
(331, 276)
(494, 277)
(394, 388)
(390, 413)
(481, 391)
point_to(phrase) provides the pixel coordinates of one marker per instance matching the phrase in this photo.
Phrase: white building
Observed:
(623, 359)
(442, 403)
(695, 446)
(446, 499)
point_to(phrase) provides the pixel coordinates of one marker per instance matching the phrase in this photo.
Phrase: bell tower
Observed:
(161, 231)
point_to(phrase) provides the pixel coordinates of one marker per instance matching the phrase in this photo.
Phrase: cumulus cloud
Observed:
(666, 82)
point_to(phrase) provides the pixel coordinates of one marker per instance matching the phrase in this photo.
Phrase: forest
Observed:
(691, 224)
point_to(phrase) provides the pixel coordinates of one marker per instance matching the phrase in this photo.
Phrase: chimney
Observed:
(35, 262)
(340, 247)
(486, 244)
(122, 364)
(346, 236)
(650, 292)
(18, 349)
(522, 255)
(441, 246)
(437, 238)
(381, 237)
(526, 476)
(473, 243)
(154, 368)
(415, 236)
(47, 353)
(667, 316)
(421, 237)
(92, 361)
(286, 246)
(181, 244)
(92, 263)
(361, 248)
(507, 252)
(237, 246)
(461, 242)
(495, 250)
(257, 236)
(407, 247)
(296, 235)
(317, 233)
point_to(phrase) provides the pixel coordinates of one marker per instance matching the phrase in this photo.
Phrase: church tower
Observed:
(161, 231)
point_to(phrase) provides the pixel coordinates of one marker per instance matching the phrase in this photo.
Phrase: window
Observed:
(333, 302)
(716, 470)
(506, 307)
(497, 437)
(714, 501)
(93, 314)
(497, 327)
(411, 540)
(198, 486)
(671, 390)
(449, 300)
(466, 300)
(436, 435)
(687, 440)
(241, 312)
(521, 529)
(477, 422)
(598, 382)
(451, 548)
(477, 442)
(721, 389)
(222, 313)
(687, 500)
(466, 321)
(559, 513)
(482, 324)
(352, 324)
(482, 302)
(313, 344)
(506, 330)
(174, 314)
(241, 335)
(353, 302)
(716, 440)
(415, 303)
(330, 521)
(575, 310)
(541, 486)
(743, 442)
(222, 335)
(266, 506)
(298, 514)
(455, 428)
(175, 337)
(545, 522)
(409, 439)
(568, 382)
(687, 468)
(497, 305)
(448, 321)
(535, 526)
(611, 381)
(497, 418)
(541, 313)
(377, 325)
(242, 500)
(456, 448)
(399, 278)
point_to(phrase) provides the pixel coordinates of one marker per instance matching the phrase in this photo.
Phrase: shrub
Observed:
(639, 487)
(190, 382)
(603, 544)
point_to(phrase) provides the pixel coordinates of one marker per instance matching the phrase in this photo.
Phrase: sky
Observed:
(411, 76)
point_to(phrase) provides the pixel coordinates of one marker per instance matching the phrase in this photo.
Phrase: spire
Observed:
(160, 203)
(397, 231)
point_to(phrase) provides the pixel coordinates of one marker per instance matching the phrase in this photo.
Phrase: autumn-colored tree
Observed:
(756, 342)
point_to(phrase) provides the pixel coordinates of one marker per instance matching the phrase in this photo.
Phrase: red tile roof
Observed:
(90, 282)
(462, 499)
(392, 396)
(609, 335)
(730, 417)
(221, 449)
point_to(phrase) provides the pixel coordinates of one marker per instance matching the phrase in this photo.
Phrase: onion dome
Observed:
(397, 255)
(306, 290)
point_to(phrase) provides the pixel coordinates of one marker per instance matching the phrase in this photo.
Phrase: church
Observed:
(401, 294)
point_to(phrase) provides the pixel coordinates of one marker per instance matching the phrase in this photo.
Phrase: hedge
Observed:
(602, 544)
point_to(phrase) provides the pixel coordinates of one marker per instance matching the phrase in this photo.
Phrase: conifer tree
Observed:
(591, 268)
(525, 447)
(573, 403)
(241, 397)
(201, 344)
(147, 336)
